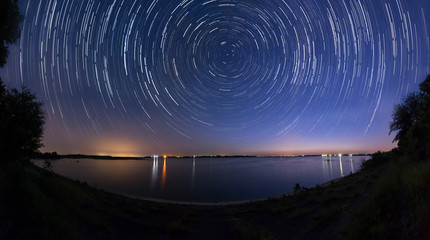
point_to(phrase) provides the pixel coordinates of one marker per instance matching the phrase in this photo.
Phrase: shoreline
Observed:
(189, 203)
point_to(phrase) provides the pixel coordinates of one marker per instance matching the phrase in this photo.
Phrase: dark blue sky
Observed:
(136, 77)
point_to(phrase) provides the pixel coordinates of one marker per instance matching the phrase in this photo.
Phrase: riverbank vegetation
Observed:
(399, 207)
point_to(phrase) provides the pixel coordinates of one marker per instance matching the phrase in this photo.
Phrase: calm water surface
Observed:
(206, 179)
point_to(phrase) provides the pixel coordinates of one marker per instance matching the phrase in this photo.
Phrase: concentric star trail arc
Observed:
(220, 76)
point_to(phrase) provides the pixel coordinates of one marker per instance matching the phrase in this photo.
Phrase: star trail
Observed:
(220, 76)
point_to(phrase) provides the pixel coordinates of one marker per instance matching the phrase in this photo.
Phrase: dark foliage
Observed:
(406, 114)
(10, 18)
(297, 188)
(425, 86)
(21, 115)
(398, 207)
(411, 121)
(21, 123)
(416, 143)
(47, 155)
(379, 158)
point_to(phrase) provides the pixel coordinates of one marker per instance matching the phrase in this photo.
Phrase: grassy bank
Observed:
(40, 205)
(399, 206)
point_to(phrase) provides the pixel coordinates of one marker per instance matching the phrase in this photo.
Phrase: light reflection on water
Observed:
(207, 179)
(163, 177)
(154, 171)
(194, 170)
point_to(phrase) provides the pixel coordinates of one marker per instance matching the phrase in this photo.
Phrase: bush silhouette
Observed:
(21, 123)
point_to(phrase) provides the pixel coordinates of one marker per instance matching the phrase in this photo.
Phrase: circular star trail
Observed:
(220, 76)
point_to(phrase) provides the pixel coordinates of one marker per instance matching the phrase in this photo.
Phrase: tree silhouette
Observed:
(425, 89)
(425, 86)
(21, 115)
(10, 18)
(406, 114)
(21, 123)
(411, 121)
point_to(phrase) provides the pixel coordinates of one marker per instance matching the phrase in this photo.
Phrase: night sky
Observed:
(279, 77)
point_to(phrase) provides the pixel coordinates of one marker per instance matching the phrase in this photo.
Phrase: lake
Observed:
(206, 180)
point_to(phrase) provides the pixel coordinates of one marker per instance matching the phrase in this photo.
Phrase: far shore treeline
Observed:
(55, 155)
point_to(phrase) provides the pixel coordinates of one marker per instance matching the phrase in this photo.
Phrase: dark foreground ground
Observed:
(36, 204)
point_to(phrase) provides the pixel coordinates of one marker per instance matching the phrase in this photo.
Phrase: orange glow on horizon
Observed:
(116, 147)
